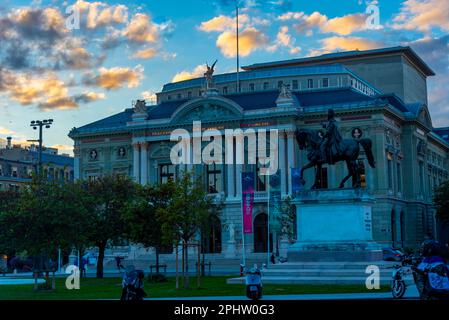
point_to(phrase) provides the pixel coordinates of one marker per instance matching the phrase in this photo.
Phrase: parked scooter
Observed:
(253, 281)
(132, 284)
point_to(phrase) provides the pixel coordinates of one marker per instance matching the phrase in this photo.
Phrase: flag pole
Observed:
(268, 224)
(243, 228)
(237, 37)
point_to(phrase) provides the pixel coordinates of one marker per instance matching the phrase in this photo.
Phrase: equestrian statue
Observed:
(326, 146)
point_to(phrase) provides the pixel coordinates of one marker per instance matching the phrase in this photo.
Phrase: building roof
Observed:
(56, 159)
(340, 56)
(443, 133)
(333, 68)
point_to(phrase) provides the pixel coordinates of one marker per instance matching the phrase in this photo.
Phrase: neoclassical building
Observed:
(378, 94)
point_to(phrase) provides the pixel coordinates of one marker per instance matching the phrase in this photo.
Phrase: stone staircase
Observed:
(329, 273)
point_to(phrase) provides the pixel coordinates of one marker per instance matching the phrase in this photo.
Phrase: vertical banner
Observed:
(296, 183)
(247, 201)
(275, 201)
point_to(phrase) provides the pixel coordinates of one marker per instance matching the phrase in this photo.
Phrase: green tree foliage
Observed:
(287, 218)
(441, 199)
(143, 225)
(185, 214)
(110, 194)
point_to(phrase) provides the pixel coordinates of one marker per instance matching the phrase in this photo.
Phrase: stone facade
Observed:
(411, 156)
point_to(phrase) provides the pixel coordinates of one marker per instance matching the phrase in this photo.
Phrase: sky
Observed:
(80, 61)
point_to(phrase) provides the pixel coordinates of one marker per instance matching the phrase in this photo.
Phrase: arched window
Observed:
(261, 233)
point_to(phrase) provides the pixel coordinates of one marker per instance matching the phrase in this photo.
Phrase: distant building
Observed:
(18, 164)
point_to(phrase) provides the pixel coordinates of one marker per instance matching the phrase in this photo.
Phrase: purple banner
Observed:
(247, 201)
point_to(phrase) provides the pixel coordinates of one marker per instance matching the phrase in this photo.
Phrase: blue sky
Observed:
(123, 50)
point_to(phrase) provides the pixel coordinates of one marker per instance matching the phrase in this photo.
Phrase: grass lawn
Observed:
(110, 288)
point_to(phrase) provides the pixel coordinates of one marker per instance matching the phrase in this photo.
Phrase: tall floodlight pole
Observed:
(40, 124)
(237, 37)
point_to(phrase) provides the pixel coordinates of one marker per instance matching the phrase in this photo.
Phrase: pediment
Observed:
(424, 117)
(207, 110)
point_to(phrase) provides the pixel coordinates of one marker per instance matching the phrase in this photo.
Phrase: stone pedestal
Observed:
(231, 250)
(334, 225)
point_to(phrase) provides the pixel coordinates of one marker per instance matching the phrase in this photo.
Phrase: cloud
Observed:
(250, 39)
(6, 131)
(46, 91)
(222, 23)
(345, 25)
(197, 72)
(149, 96)
(98, 14)
(304, 23)
(146, 53)
(423, 15)
(284, 39)
(345, 44)
(63, 147)
(141, 29)
(434, 52)
(115, 78)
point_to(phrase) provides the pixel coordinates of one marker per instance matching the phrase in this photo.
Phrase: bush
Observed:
(156, 278)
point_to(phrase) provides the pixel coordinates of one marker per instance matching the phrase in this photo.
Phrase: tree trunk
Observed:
(186, 282)
(177, 266)
(101, 250)
(157, 259)
(198, 271)
(183, 262)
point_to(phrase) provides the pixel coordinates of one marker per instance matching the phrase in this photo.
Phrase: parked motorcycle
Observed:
(430, 274)
(398, 285)
(132, 284)
(253, 281)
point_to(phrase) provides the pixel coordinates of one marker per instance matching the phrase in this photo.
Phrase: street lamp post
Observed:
(40, 124)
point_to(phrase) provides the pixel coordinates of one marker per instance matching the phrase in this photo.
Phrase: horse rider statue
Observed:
(330, 146)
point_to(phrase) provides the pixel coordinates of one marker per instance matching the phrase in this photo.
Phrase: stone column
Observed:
(76, 163)
(136, 167)
(230, 180)
(238, 179)
(144, 163)
(290, 157)
(282, 162)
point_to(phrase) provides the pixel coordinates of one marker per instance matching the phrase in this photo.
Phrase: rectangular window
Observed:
(421, 177)
(399, 175)
(265, 85)
(169, 97)
(295, 84)
(251, 87)
(166, 172)
(179, 96)
(1, 170)
(280, 84)
(390, 173)
(261, 180)
(225, 90)
(309, 83)
(14, 172)
(189, 94)
(325, 82)
(214, 178)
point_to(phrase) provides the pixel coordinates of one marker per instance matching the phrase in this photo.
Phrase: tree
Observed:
(287, 218)
(110, 194)
(39, 224)
(142, 222)
(186, 212)
(441, 199)
(9, 200)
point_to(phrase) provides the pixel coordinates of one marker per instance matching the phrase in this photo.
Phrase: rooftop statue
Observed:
(208, 74)
(326, 146)
(140, 106)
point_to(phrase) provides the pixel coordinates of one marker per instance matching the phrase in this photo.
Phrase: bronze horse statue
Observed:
(349, 152)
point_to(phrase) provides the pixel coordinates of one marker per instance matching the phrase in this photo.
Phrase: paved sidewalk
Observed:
(411, 293)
